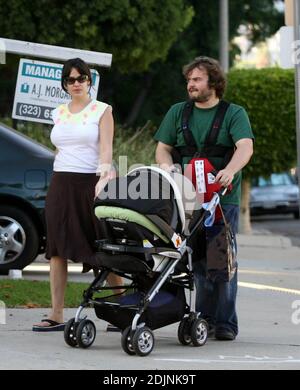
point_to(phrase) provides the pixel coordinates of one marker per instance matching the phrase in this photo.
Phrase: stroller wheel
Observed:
(70, 333)
(143, 341)
(199, 332)
(126, 341)
(85, 333)
(183, 333)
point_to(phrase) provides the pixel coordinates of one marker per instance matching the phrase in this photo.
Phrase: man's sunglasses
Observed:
(71, 80)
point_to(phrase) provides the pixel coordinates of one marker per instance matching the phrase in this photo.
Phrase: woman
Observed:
(83, 136)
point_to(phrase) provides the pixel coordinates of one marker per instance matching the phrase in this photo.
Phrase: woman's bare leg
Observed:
(115, 280)
(58, 282)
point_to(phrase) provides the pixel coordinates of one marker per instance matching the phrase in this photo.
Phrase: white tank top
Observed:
(76, 138)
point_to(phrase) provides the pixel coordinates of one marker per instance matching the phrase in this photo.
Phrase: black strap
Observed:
(212, 136)
(123, 248)
(210, 148)
(210, 151)
(186, 114)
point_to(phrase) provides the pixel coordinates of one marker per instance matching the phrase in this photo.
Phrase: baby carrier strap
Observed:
(212, 136)
(210, 148)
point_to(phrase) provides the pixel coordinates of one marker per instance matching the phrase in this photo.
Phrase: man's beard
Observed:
(202, 97)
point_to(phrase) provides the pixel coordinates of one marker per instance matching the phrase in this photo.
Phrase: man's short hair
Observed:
(216, 76)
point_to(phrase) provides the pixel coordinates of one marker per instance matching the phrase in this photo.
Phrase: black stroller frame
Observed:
(138, 319)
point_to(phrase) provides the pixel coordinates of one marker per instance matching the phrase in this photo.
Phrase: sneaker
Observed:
(112, 328)
(225, 334)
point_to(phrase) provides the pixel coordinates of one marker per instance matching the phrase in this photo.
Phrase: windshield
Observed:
(276, 179)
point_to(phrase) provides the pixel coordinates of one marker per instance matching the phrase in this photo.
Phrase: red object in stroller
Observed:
(146, 243)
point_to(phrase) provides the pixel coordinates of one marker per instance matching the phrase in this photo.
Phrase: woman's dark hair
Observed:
(216, 76)
(79, 65)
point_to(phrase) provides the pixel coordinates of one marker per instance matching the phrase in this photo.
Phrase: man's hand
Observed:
(241, 156)
(225, 177)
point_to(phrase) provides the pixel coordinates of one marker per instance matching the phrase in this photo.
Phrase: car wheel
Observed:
(297, 214)
(19, 239)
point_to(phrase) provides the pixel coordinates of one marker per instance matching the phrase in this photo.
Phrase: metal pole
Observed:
(297, 85)
(224, 34)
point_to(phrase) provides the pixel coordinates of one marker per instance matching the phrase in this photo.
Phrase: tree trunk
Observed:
(244, 222)
(139, 101)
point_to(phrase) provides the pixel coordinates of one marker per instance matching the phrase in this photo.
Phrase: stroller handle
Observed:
(202, 215)
(222, 191)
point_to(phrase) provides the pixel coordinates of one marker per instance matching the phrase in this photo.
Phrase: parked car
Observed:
(25, 170)
(277, 194)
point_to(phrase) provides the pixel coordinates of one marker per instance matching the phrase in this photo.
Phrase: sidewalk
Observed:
(269, 275)
(257, 239)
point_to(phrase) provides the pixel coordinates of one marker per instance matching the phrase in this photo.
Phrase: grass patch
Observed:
(34, 293)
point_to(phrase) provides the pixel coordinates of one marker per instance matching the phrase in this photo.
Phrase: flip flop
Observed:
(52, 327)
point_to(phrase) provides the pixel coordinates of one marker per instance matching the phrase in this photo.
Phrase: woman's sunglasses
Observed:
(71, 80)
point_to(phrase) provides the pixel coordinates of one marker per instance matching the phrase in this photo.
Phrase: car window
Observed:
(276, 179)
(8, 151)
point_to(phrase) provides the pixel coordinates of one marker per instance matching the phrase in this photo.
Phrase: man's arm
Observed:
(163, 156)
(241, 156)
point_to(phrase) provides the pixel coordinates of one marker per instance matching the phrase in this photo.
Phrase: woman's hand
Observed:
(104, 179)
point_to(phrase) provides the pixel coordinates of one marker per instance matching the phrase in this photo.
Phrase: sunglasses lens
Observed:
(81, 79)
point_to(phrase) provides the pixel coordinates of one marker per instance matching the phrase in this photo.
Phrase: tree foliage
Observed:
(201, 37)
(136, 32)
(150, 42)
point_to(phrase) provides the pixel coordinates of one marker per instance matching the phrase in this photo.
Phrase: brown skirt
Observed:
(72, 226)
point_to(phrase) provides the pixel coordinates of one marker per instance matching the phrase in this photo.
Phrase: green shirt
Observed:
(235, 126)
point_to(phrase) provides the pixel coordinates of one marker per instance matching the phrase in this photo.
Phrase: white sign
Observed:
(286, 47)
(200, 176)
(39, 91)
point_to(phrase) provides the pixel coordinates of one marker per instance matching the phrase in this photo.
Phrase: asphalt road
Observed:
(280, 224)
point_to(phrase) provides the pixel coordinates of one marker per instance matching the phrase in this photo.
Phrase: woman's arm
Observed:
(106, 128)
(105, 168)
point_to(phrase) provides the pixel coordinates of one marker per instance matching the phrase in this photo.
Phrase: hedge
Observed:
(268, 95)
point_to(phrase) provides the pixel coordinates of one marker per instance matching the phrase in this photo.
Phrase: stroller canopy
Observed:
(148, 191)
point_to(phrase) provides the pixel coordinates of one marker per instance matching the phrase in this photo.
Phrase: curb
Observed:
(264, 241)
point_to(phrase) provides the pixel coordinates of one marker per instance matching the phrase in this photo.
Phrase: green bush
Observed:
(139, 145)
(268, 95)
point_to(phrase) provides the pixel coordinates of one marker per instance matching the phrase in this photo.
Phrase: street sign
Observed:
(286, 34)
(39, 91)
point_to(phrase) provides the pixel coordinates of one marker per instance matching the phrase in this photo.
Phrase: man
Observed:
(205, 86)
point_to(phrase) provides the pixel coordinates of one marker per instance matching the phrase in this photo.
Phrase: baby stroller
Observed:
(146, 242)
